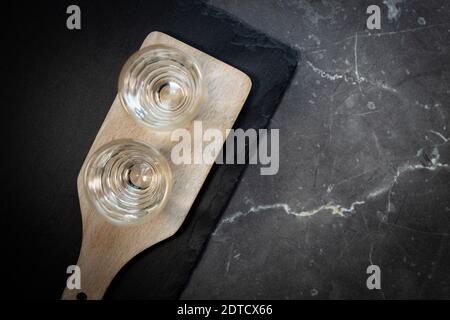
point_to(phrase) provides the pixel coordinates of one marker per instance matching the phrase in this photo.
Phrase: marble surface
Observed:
(364, 161)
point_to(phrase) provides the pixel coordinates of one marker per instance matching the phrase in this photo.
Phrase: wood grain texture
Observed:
(106, 247)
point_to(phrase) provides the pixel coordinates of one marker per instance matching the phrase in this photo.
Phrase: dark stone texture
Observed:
(60, 85)
(366, 119)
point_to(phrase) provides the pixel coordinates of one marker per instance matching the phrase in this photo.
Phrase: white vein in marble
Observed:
(338, 209)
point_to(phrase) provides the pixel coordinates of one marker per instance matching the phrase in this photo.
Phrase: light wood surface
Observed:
(106, 247)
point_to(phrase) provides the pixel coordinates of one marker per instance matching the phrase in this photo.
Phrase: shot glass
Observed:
(161, 87)
(127, 181)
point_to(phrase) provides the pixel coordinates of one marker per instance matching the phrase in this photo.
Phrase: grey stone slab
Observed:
(364, 161)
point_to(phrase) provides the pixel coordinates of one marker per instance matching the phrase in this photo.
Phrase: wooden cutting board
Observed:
(106, 247)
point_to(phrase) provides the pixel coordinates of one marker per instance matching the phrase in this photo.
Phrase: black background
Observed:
(59, 85)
